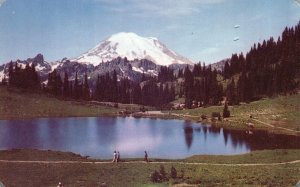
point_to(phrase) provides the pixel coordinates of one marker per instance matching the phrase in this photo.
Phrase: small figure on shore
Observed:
(59, 184)
(146, 157)
(118, 157)
(115, 157)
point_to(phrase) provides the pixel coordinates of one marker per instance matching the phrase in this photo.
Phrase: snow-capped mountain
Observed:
(128, 54)
(131, 46)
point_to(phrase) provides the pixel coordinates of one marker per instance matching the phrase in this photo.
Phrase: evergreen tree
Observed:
(66, 87)
(54, 84)
(231, 93)
(86, 88)
(4, 82)
(226, 112)
(137, 94)
(114, 87)
(76, 88)
(189, 84)
(34, 81)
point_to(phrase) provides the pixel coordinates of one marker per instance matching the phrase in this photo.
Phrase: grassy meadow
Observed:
(281, 111)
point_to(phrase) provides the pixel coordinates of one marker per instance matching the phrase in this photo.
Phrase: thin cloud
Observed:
(256, 17)
(158, 7)
(1, 2)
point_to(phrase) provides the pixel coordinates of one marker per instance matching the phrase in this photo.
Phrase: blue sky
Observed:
(202, 30)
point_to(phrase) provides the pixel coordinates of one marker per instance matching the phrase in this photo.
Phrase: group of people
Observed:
(117, 157)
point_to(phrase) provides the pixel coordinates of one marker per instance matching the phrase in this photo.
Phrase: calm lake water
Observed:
(99, 137)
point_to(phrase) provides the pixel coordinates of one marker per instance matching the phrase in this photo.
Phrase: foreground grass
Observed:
(138, 174)
(264, 156)
(282, 111)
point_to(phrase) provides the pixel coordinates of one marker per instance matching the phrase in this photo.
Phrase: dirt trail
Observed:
(291, 130)
(134, 162)
(267, 124)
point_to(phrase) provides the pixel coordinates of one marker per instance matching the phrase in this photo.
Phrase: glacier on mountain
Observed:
(131, 46)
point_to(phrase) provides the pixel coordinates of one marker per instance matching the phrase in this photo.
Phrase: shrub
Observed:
(203, 116)
(173, 173)
(155, 177)
(226, 112)
(163, 173)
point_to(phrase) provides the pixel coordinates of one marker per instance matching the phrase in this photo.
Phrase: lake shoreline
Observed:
(33, 105)
(28, 154)
(225, 124)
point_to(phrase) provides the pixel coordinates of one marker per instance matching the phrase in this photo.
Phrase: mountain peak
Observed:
(131, 46)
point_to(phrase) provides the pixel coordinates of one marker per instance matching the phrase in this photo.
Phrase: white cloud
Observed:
(157, 7)
(1, 2)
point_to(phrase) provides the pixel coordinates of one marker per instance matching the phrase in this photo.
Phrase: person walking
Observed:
(115, 157)
(118, 157)
(146, 157)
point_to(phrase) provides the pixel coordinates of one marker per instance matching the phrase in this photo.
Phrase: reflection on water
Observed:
(99, 137)
(188, 133)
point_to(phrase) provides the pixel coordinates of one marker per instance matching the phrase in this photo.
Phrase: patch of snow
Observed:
(137, 69)
(152, 72)
(22, 65)
(54, 65)
(45, 82)
(2, 75)
(39, 67)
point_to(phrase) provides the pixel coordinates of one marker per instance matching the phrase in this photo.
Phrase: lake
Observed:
(98, 137)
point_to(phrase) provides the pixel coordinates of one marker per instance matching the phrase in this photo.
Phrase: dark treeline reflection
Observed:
(262, 140)
(257, 141)
(188, 134)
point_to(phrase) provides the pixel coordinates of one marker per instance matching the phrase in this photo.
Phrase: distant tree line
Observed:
(109, 89)
(165, 74)
(149, 92)
(68, 89)
(201, 86)
(26, 78)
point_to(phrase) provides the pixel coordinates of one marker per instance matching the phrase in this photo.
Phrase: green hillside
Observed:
(20, 104)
